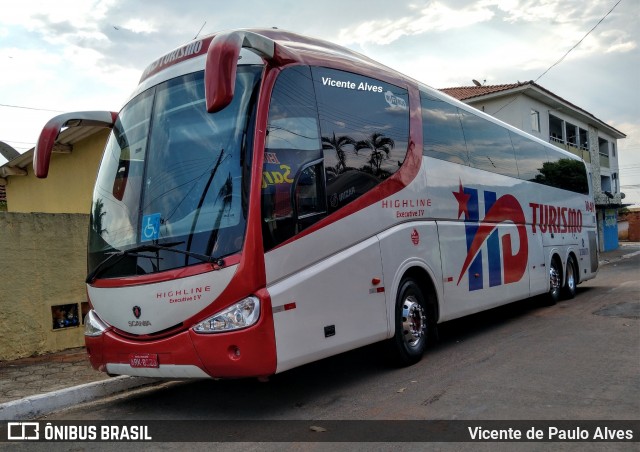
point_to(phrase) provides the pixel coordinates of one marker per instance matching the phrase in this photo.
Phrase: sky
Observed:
(71, 55)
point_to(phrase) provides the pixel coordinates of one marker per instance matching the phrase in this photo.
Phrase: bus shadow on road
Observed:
(333, 381)
(483, 322)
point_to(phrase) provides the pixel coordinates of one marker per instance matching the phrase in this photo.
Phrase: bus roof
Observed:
(300, 48)
(312, 51)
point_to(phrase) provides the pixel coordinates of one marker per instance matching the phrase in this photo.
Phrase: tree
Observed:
(380, 146)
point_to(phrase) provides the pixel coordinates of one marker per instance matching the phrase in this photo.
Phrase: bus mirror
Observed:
(222, 61)
(51, 130)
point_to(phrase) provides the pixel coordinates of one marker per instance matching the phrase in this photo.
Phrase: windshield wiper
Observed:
(203, 196)
(116, 256)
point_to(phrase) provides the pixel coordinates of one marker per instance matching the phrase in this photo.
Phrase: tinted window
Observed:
(173, 174)
(489, 145)
(443, 137)
(530, 156)
(565, 172)
(293, 157)
(364, 124)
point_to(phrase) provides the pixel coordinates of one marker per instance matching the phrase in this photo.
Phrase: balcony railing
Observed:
(604, 161)
(581, 152)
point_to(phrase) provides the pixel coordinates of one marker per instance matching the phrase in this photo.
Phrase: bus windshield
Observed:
(173, 177)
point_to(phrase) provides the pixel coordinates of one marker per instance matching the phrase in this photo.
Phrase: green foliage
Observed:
(564, 173)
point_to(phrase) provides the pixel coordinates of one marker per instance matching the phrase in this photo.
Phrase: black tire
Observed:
(555, 282)
(571, 280)
(411, 324)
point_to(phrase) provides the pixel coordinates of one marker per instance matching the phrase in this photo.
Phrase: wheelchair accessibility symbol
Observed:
(150, 227)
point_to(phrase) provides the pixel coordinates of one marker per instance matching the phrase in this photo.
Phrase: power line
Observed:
(30, 108)
(19, 142)
(563, 56)
(578, 43)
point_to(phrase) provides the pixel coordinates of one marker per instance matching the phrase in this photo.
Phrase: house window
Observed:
(603, 146)
(64, 316)
(613, 149)
(571, 134)
(584, 139)
(556, 129)
(535, 120)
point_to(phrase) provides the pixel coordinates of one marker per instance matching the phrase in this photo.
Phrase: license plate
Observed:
(144, 360)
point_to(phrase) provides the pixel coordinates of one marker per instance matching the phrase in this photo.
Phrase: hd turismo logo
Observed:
(504, 265)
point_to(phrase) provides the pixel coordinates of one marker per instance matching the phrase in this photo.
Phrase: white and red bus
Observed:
(266, 200)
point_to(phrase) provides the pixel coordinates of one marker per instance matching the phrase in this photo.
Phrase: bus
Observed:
(267, 199)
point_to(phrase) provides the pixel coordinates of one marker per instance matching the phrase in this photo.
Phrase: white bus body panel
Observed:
(159, 305)
(425, 225)
(337, 308)
(405, 246)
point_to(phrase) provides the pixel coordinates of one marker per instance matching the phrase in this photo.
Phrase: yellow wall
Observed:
(69, 186)
(43, 264)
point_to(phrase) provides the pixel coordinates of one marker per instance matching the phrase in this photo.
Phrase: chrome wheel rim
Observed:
(554, 280)
(571, 278)
(414, 322)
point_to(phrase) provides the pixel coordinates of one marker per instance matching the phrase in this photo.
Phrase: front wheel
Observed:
(411, 324)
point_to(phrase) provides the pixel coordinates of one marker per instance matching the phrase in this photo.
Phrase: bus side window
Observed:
(489, 145)
(565, 172)
(292, 150)
(364, 124)
(442, 131)
(531, 157)
(309, 197)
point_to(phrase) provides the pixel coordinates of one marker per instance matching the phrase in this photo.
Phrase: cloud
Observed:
(89, 54)
(629, 160)
(554, 26)
(617, 41)
(434, 17)
(140, 26)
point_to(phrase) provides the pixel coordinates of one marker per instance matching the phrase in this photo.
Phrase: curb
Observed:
(618, 258)
(42, 404)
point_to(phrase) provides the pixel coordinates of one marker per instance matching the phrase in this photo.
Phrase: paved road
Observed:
(579, 359)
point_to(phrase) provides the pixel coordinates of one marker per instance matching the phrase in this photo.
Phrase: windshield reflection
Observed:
(173, 172)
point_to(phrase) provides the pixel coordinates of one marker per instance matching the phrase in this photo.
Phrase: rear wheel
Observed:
(569, 288)
(555, 282)
(411, 324)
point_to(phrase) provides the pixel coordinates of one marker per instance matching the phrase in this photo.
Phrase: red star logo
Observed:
(463, 199)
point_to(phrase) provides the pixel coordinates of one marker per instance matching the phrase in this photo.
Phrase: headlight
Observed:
(240, 315)
(93, 326)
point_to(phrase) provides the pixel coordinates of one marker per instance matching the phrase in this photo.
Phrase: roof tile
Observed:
(467, 92)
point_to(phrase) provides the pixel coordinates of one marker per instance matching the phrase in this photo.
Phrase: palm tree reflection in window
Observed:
(348, 180)
(338, 145)
(97, 216)
(381, 148)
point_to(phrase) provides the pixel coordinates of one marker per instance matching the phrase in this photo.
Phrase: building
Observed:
(3, 198)
(69, 186)
(629, 225)
(43, 246)
(536, 110)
